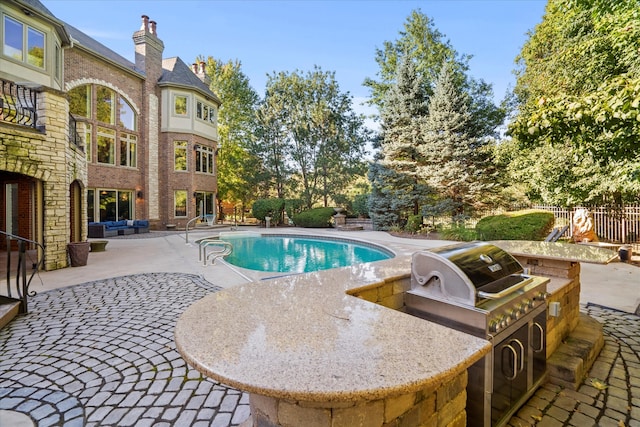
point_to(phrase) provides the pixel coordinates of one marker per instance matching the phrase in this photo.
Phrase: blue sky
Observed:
(341, 36)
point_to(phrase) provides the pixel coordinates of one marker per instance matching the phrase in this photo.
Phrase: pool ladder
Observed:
(219, 249)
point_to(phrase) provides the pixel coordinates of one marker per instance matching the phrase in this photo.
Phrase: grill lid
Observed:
(466, 272)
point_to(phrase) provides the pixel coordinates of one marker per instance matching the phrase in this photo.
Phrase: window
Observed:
(80, 101)
(180, 203)
(20, 39)
(204, 159)
(180, 105)
(112, 205)
(128, 150)
(205, 203)
(127, 116)
(205, 112)
(105, 105)
(87, 141)
(58, 63)
(180, 155)
(106, 143)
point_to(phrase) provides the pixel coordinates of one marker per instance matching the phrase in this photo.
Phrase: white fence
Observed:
(611, 224)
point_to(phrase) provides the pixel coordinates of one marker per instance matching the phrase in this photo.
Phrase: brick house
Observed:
(88, 136)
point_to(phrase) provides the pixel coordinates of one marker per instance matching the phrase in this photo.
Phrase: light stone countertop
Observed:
(302, 337)
(558, 251)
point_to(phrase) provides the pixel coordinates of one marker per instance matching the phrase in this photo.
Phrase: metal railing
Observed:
(74, 135)
(21, 284)
(220, 249)
(18, 104)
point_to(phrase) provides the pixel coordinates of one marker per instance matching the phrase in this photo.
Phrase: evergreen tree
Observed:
(454, 162)
(394, 176)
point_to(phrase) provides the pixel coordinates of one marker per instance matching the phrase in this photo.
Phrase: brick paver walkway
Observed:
(103, 354)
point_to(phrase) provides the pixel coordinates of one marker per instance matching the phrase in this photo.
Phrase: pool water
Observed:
(297, 254)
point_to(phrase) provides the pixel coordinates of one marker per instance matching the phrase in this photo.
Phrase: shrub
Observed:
(361, 205)
(414, 224)
(459, 233)
(314, 218)
(268, 207)
(521, 225)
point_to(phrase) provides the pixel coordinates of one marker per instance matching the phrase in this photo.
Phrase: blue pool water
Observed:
(298, 254)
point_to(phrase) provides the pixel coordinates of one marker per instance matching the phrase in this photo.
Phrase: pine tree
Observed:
(397, 190)
(455, 163)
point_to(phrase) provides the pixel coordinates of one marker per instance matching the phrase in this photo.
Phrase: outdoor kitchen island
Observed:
(313, 350)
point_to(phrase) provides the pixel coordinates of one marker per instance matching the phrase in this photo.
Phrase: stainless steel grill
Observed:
(480, 289)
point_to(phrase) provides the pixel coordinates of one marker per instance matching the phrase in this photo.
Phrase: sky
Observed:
(337, 35)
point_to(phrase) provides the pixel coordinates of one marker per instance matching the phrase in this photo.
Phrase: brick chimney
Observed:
(149, 49)
(199, 69)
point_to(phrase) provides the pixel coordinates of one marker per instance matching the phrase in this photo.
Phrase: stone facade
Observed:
(440, 405)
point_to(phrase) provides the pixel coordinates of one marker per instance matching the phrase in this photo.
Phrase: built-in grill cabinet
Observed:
(480, 289)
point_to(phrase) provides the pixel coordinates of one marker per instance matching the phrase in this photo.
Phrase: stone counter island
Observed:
(329, 349)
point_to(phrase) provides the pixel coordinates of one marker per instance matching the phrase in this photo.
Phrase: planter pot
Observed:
(78, 253)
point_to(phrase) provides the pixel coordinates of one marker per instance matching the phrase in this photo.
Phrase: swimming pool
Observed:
(298, 254)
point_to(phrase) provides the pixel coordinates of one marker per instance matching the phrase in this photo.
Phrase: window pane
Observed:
(87, 141)
(106, 146)
(58, 62)
(127, 115)
(105, 99)
(108, 209)
(90, 205)
(180, 203)
(35, 47)
(198, 161)
(13, 38)
(124, 205)
(180, 107)
(180, 155)
(199, 110)
(133, 152)
(80, 101)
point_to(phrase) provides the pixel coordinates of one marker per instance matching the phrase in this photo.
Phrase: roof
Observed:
(176, 72)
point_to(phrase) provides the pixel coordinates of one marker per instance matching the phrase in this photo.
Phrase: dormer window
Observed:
(23, 43)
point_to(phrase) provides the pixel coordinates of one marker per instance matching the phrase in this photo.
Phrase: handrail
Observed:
(186, 228)
(21, 283)
(223, 249)
(18, 104)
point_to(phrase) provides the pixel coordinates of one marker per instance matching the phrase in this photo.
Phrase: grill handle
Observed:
(541, 330)
(514, 355)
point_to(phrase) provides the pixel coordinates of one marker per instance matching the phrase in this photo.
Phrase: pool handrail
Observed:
(224, 249)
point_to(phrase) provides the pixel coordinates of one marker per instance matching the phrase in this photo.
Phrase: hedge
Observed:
(520, 225)
(314, 218)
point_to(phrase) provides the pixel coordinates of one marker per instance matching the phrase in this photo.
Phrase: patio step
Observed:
(9, 309)
(571, 362)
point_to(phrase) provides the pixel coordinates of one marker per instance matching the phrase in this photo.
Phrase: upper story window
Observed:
(180, 105)
(80, 101)
(204, 159)
(23, 43)
(105, 105)
(127, 116)
(180, 155)
(205, 112)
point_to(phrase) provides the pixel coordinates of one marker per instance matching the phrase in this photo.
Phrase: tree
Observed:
(427, 48)
(312, 130)
(395, 173)
(454, 163)
(236, 126)
(577, 127)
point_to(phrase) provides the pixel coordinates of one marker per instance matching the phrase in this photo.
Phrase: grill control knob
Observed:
(514, 313)
(495, 325)
(541, 296)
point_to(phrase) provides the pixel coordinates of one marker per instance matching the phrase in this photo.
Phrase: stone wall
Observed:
(389, 293)
(564, 290)
(439, 405)
(47, 156)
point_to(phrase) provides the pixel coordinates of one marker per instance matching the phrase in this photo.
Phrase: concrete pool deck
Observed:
(98, 365)
(616, 285)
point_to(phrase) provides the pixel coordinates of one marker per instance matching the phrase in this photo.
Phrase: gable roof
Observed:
(176, 73)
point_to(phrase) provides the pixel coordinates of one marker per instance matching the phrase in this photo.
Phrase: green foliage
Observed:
(293, 206)
(578, 125)
(236, 167)
(458, 233)
(314, 218)
(309, 131)
(360, 206)
(268, 207)
(414, 224)
(520, 225)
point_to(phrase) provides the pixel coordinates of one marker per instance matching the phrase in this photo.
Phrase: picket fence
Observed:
(619, 224)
